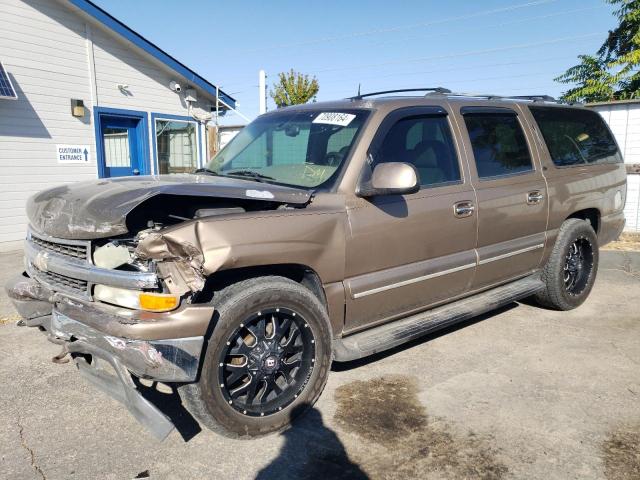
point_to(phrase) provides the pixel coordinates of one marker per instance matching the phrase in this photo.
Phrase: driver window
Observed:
(426, 143)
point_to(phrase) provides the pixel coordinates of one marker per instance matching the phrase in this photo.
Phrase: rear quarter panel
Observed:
(574, 188)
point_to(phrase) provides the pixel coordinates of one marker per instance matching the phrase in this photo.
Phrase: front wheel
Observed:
(571, 270)
(269, 353)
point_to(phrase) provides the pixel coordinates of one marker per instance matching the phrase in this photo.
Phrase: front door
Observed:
(511, 193)
(122, 145)
(407, 252)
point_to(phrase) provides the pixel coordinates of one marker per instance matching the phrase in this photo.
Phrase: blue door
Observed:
(122, 147)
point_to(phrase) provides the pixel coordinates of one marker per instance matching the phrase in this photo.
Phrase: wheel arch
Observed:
(299, 273)
(592, 215)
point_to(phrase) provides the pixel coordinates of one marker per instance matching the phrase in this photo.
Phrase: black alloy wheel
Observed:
(267, 363)
(578, 266)
(572, 266)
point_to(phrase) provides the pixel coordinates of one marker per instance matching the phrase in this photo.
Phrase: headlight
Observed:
(135, 299)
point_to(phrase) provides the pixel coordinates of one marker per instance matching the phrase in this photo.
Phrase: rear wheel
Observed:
(572, 266)
(270, 351)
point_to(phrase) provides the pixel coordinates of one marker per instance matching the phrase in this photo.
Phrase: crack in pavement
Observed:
(625, 271)
(626, 266)
(32, 454)
(623, 353)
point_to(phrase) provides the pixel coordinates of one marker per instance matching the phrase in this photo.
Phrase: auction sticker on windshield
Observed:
(335, 118)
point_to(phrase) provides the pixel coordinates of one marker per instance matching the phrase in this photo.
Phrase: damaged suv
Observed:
(322, 232)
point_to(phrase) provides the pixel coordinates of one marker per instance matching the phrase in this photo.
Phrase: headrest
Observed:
(429, 154)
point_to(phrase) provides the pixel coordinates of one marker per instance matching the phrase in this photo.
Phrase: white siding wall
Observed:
(624, 121)
(632, 207)
(227, 134)
(43, 49)
(118, 63)
(46, 47)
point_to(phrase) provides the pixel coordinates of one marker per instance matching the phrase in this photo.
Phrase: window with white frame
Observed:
(176, 146)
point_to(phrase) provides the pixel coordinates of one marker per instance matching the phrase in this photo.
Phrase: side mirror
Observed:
(392, 178)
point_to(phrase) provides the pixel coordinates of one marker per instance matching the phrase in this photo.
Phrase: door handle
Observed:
(534, 197)
(463, 209)
(136, 171)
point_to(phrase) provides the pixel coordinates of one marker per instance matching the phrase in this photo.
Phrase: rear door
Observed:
(511, 194)
(406, 252)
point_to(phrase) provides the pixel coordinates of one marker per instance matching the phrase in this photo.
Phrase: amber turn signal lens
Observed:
(157, 302)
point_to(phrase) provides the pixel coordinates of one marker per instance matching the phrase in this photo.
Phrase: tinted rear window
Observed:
(499, 145)
(576, 136)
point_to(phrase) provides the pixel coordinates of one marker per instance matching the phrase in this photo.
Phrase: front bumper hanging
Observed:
(99, 337)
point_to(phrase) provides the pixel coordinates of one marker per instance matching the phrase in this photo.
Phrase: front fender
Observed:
(312, 236)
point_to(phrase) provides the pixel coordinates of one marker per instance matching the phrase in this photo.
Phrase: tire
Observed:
(562, 294)
(242, 316)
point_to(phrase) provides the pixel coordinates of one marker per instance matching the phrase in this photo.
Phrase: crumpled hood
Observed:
(98, 208)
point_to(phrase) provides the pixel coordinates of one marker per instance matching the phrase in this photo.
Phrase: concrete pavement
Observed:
(520, 393)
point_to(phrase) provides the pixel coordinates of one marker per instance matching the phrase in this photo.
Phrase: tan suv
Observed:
(322, 232)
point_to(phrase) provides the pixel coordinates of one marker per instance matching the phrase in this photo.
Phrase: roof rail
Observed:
(441, 91)
(402, 90)
(535, 98)
(490, 96)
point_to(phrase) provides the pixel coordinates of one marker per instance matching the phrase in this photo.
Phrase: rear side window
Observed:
(576, 136)
(499, 145)
(425, 142)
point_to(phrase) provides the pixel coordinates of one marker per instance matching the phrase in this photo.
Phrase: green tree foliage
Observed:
(614, 72)
(294, 88)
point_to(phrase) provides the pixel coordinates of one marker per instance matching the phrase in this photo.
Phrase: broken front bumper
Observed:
(159, 346)
(163, 347)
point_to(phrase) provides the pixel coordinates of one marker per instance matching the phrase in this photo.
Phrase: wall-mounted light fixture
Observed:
(124, 89)
(77, 108)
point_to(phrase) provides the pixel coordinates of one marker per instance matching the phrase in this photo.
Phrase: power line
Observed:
(495, 25)
(245, 86)
(453, 69)
(472, 80)
(378, 31)
(463, 54)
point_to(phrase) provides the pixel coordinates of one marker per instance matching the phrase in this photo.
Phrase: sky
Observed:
(507, 47)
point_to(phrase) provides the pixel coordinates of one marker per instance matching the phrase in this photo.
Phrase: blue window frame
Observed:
(132, 157)
(173, 139)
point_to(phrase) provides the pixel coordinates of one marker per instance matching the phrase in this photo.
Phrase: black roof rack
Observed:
(438, 91)
(535, 98)
(402, 90)
(490, 96)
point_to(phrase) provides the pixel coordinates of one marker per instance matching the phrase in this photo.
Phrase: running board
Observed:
(384, 337)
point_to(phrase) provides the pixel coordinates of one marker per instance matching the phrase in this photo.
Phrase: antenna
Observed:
(358, 89)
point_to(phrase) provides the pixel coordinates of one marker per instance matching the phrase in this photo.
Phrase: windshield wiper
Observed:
(258, 177)
(207, 171)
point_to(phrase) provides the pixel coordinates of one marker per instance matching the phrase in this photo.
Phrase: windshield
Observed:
(298, 148)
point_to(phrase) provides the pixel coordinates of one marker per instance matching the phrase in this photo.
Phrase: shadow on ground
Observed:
(311, 421)
(311, 451)
(171, 405)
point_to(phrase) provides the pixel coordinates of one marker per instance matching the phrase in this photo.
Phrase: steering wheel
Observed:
(333, 159)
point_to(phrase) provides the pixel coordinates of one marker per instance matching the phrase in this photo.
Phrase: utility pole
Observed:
(262, 87)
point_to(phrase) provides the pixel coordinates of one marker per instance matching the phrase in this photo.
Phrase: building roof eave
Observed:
(132, 36)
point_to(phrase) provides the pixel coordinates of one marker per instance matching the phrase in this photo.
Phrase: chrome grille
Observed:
(70, 250)
(65, 265)
(63, 283)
